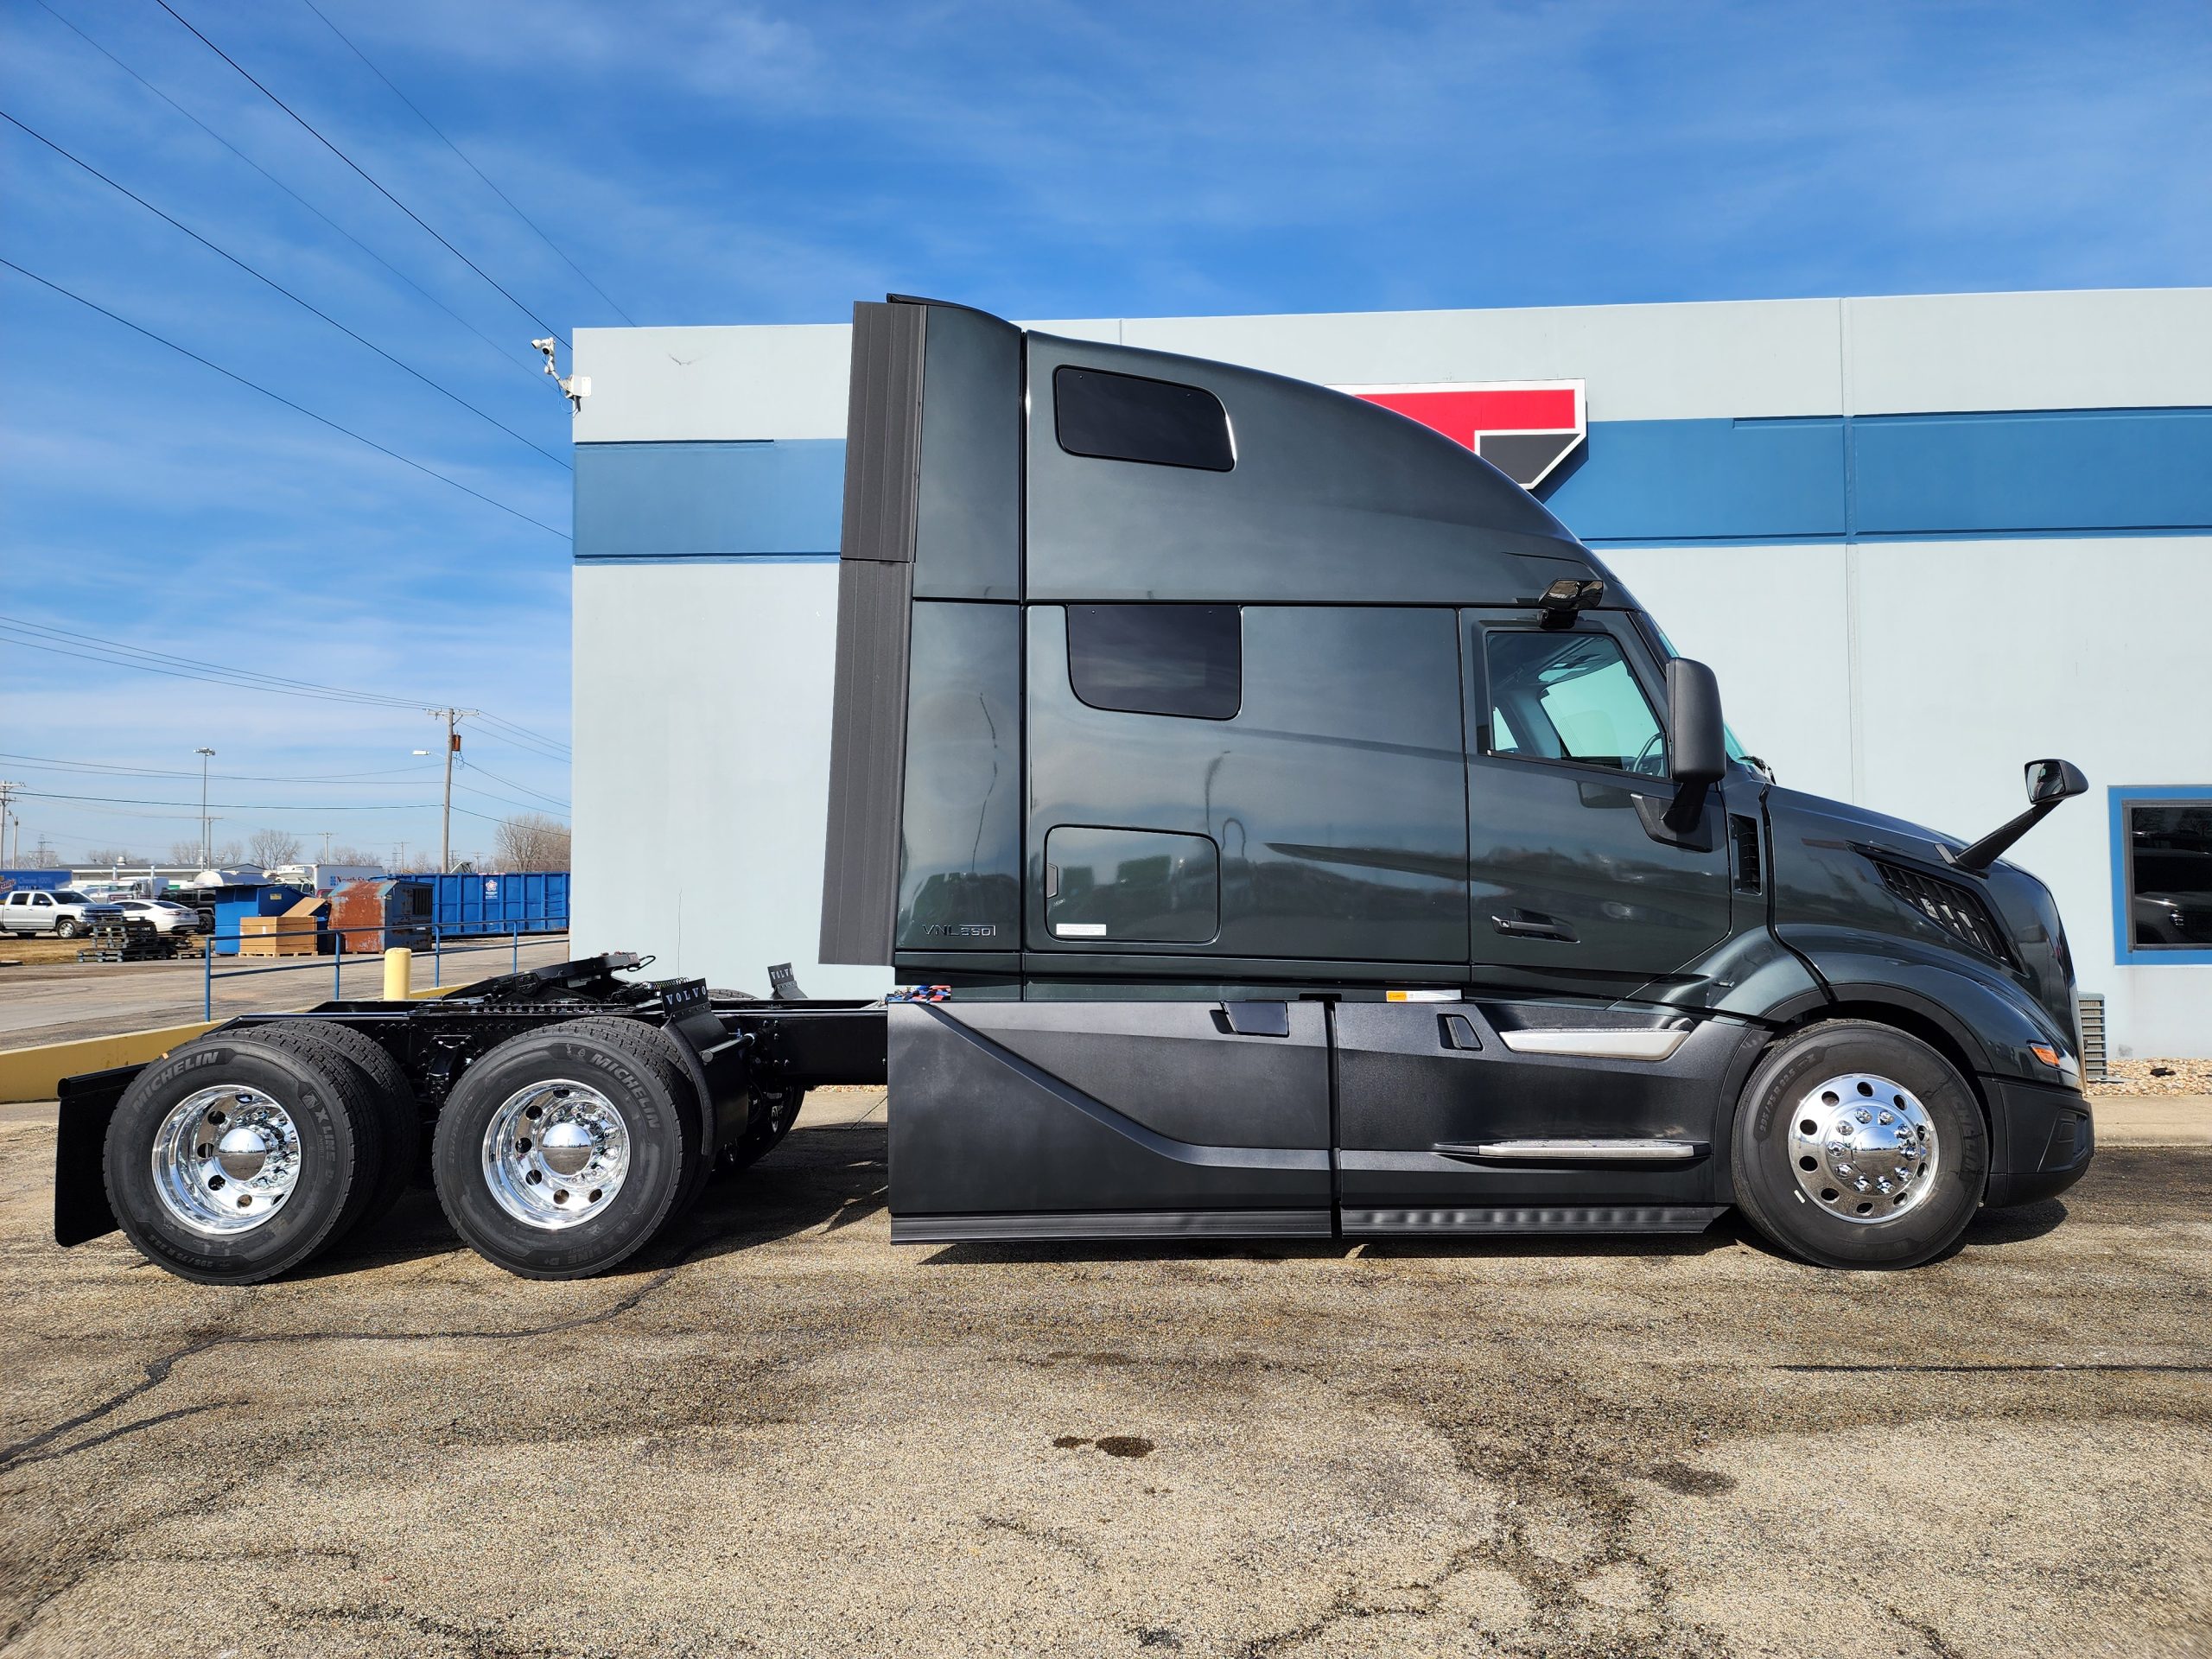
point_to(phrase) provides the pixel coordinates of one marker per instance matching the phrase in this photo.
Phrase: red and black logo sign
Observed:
(1523, 428)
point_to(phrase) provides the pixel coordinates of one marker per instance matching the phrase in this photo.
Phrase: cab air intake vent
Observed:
(1744, 832)
(1955, 908)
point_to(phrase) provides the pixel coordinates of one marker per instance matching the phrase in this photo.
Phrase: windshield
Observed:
(70, 896)
(1736, 749)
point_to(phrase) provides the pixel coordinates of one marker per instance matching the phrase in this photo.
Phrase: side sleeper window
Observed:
(1571, 696)
(1128, 417)
(1158, 659)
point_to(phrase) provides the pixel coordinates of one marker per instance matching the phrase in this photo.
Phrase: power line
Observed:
(378, 780)
(534, 373)
(234, 676)
(471, 165)
(526, 731)
(357, 167)
(241, 806)
(429, 471)
(161, 661)
(272, 282)
(560, 756)
(510, 783)
(111, 657)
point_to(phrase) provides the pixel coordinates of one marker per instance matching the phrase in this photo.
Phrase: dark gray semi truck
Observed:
(1288, 829)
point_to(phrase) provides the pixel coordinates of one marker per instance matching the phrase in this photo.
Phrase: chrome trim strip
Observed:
(1598, 1045)
(1620, 1151)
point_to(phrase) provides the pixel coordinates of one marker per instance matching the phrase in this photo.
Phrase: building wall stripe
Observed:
(1772, 480)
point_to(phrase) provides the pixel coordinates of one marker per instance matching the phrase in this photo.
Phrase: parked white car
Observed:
(166, 915)
(63, 912)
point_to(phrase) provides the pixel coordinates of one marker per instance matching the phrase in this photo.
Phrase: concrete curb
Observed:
(35, 1073)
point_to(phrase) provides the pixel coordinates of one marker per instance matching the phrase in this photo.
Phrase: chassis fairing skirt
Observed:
(1131, 1224)
(1547, 1219)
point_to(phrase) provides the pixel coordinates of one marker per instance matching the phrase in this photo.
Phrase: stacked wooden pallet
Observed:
(131, 939)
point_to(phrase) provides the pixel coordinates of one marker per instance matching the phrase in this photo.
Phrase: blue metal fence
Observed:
(439, 951)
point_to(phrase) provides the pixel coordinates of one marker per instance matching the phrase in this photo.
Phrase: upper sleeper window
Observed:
(1158, 659)
(1127, 417)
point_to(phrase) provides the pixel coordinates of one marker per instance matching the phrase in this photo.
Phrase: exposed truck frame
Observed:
(1296, 833)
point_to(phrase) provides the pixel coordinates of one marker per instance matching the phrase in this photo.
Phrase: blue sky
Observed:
(729, 163)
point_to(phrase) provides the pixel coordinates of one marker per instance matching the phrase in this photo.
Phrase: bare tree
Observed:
(45, 858)
(230, 852)
(530, 840)
(185, 852)
(111, 856)
(274, 846)
(355, 855)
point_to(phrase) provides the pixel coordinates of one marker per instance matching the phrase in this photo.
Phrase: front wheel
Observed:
(66, 928)
(1859, 1146)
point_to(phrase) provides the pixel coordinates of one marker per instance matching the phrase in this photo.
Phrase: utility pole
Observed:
(7, 788)
(325, 846)
(452, 717)
(206, 847)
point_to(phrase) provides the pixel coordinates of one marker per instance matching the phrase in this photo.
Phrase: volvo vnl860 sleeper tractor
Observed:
(1303, 835)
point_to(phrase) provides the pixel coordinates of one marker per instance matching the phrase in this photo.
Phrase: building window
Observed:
(1158, 659)
(1128, 417)
(1570, 697)
(2162, 874)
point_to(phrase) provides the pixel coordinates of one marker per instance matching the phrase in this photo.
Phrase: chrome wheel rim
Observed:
(555, 1154)
(1863, 1149)
(226, 1159)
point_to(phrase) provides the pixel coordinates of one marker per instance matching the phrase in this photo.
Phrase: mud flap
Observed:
(80, 1209)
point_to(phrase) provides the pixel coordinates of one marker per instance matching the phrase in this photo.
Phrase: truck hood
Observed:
(1840, 866)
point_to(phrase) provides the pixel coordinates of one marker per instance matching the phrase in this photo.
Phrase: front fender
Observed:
(1993, 1021)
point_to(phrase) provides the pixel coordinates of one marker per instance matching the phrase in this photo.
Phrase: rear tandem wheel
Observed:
(563, 1152)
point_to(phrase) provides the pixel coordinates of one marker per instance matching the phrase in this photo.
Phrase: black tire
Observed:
(653, 1099)
(399, 1113)
(783, 1111)
(662, 1046)
(337, 1130)
(66, 928)
(1819, 1225)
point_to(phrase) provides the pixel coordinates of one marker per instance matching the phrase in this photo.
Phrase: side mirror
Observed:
(2052, 781)
(1697, 744)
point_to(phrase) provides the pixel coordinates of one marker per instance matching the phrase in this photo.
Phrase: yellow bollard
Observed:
(398, 973)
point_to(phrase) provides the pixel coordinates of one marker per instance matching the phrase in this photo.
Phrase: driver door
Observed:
(1576, 880)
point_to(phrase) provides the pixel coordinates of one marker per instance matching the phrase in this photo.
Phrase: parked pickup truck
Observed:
(1284, 828)
(62, 912)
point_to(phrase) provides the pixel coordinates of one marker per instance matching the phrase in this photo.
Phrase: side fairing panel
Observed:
(968, 529)
(960, 872)
(1010, 1109)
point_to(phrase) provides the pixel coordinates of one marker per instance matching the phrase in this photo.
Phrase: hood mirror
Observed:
(2052, 781)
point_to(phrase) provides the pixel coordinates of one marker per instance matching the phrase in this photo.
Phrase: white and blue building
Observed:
(1922, 539)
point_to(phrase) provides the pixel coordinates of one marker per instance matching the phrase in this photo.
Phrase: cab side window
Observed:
(1558, 696)
(1159, 659)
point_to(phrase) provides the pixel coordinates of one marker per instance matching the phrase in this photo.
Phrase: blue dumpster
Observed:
(519, 901)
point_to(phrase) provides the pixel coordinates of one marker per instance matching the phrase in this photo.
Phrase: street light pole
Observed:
(451, 716)
(206, 851)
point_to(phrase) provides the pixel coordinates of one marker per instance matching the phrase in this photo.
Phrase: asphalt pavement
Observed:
(780, 1435)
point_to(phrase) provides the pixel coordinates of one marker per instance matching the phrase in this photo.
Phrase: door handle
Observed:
(1526, 926)
(1458, 1031)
